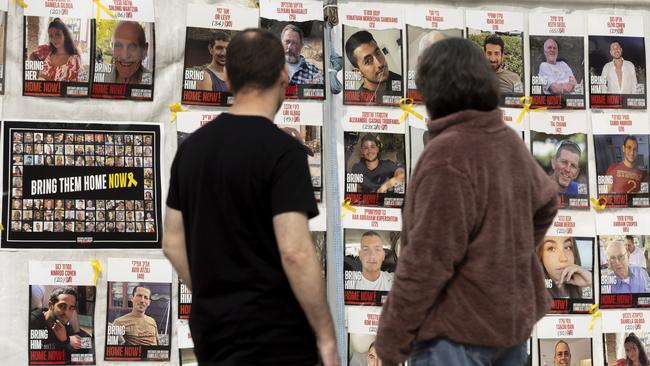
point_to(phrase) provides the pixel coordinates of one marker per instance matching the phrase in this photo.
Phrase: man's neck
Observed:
(370, 85)
(255, 103)
(618, 61)
(49, 317)
(133, 79)
(372, 164)
(627, 275)
(371, 276)
(136, 314)
(216, 67)
(295, 63)
(627, 163)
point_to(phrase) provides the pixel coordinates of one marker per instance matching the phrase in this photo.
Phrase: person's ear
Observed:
(284, 76)
(227, 81)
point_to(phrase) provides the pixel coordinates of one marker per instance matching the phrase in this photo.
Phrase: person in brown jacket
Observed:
(468, 287)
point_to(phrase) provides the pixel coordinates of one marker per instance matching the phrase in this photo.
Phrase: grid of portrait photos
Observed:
(46, 159)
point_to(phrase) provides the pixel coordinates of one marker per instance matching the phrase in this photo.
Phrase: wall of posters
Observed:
(624, 279)
(625, 337)
(557, 60)
(299, 25)
(62, 299)
(372, 46)
(426, 25)
(57, 44)
(369, 263)
(564, 340)
(124, 55)
(616, 43)
(81, 185)
(208, 33)
(138, 318)
(622, 165)
(559, 144)
(501, 36)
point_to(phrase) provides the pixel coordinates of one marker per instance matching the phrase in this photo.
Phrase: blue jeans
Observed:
(442, 351)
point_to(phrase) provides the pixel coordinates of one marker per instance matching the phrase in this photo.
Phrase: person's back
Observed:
(242, 287)
(236, 225)
(477, 205)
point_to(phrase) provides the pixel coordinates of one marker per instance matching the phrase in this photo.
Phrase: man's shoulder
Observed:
(388, 163)
(394, 76)
(614, 166)
(509, 75)
(123, 319)
(150, 320)
(36, 315)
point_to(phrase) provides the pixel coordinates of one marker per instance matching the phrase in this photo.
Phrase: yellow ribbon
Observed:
(175, 108)
(97, 269)
(595, 313)
(347, 207)
(599, 204)
(407, 106)
(22, 3)
(103, 7)
(131, 180)
(526, 102)
(2, 227)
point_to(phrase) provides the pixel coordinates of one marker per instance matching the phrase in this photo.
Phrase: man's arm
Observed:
(304, 273)
(174, 245)
(633, 80)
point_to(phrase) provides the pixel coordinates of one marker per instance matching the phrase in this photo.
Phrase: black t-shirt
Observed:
(229, 179)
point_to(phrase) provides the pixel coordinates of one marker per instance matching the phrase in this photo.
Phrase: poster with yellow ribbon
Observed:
(72, 185)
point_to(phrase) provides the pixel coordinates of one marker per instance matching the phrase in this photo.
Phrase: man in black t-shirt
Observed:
(236, 228)
(55, 320)
(379, 176)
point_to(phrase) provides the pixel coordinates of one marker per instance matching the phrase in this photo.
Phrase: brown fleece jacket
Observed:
(477, 205)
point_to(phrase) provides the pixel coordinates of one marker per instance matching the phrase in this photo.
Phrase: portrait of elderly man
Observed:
(130, 47)
(628, 278)
(556, 76)
(300, 70)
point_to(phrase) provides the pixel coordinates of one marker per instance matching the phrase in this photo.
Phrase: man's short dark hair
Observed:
(293, 28)
(140, 286)
(67, 290)
(219, 35)
(629, 237)
(355, 41)
(454, 75)
(630, 137)
(494, 39)
(371, 137)
(254, 59)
